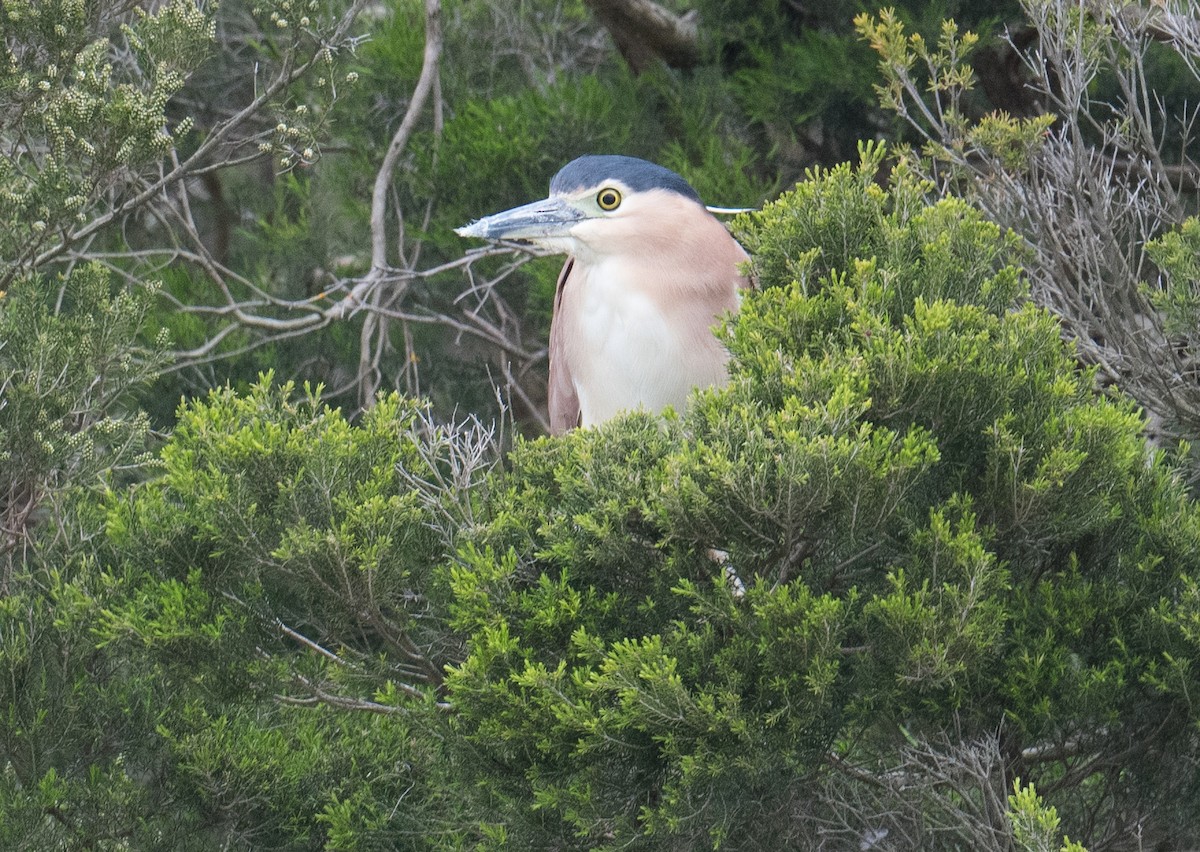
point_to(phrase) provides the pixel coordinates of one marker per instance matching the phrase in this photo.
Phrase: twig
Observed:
(425, 85)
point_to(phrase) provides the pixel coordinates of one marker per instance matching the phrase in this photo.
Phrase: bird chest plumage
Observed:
(650, 272)
(627, 345)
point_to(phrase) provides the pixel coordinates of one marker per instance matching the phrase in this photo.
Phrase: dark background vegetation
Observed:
(285, 562)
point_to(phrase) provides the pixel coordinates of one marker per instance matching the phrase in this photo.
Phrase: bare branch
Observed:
(646, 33)
(426, 83)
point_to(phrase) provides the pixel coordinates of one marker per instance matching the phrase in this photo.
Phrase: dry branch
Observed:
(646, 33)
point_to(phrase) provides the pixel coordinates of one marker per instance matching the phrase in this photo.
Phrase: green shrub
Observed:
(950, 545)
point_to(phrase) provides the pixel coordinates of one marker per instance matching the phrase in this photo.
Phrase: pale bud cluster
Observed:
(282, 12)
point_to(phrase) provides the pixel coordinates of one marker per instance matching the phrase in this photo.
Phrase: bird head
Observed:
(598, 205)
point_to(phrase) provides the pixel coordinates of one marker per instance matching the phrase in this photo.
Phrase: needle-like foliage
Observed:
(958, 565)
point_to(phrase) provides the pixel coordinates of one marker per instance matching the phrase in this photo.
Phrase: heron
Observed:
(649, 273)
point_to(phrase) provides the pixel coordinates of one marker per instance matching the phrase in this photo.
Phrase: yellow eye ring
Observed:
(608, 199)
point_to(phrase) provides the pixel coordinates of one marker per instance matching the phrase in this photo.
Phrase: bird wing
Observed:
(564, 400)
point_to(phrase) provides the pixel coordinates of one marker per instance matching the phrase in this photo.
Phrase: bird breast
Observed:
(640, 335)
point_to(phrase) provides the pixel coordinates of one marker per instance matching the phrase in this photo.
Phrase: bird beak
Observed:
(546, 219)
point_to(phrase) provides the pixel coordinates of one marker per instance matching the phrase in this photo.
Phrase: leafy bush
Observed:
(1090, 156)
(957, 564)
(251, 655)
(69, 378)
(907, 582)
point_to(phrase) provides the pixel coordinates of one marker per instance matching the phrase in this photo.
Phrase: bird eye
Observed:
(608, 199)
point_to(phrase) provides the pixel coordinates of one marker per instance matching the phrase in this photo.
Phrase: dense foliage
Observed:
(921, 576)
(944, 537)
